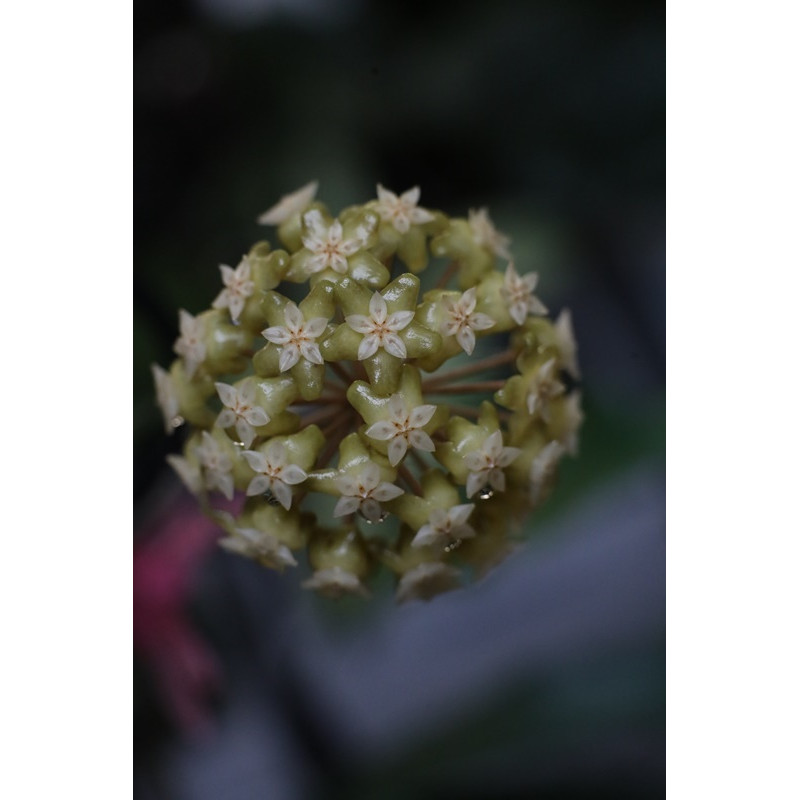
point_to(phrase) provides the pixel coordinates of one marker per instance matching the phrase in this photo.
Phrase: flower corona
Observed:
(379, 392)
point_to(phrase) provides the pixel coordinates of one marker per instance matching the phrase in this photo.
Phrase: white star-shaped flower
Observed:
(275, 474)
(544, 386)
(260, 546)
(365, 493)
(426, 580)
(543, 466)
(241, 410)
(517, 291)
(403, 428)
(217, 466)
(298, 338)
(167, 398)
(487, 464)
(189, 473)
(190, 345)
(401, 211)
(445, 527)
(289, 205)
(238, 287)
(327, 244)
(335, 582)
(461, 320)
(486, 235)
(380, 328)
(565, 341)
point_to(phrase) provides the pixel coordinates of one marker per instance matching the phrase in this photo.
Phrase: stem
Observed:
(337, 422)
(418, 459)
(468, 388)
(470, 369)
(474, 413)
(321, 414)
(341, 372)
(336, 388)
(450, 270)
(413, 484)
(333, 399)
(465, 411)
(327, 454)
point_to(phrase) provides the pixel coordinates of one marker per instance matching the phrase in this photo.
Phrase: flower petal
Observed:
(294, 317)
(368, 347)
(292, 474)
(382, 431)
(277, 335)
(476, 481)
(255, 459)
(507, 456)
(226, 393)
(370, 476)
(497, 479)
(315, 327)
(397, 449)
(421, 441)
(386, 491)
(346, 505)
(290, 355)
(426, 535)
(419, 216)
(245, 432)
(460, 514)
(397, 408)
(316, 229)
(466, 339)
(259, 485)
(481, 322)
(359, 323)
(377, 307)
(310, 352)
(399, 320)
(421, 415)
(256, 416)
(282, 493)
(394, 345)
(226, 418)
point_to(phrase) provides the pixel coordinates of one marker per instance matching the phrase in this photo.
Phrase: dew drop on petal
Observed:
(177, 421)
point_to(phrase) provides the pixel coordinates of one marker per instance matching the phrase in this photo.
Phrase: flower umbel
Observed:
(360, 430)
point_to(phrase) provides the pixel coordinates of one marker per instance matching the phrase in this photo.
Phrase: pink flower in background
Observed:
(166, 559)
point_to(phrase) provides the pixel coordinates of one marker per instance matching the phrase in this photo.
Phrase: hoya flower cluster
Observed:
(382, 391)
